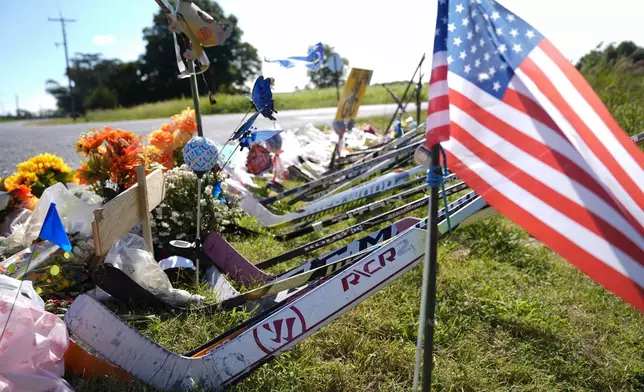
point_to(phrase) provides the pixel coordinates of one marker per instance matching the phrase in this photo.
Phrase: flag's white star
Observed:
(503, 48)
(450, 60)
(473, 49)
(465, 22)
(444, 20)
(451, 27)
(530, 34)
(457, 41)
(495, 15)
(499, 31)
(438, 32)
(477, 63)
(516, 48)
(503, 66)
(470, 35)
(510, 18)
(477, 27)
(462, 55)
(474, 13)
(467, 69)
(492, 71)
(486, 56)
(496, 86)
(459, 8)
(481, 42)
(442, 1)
(483, 76)
(486, 16)
(514, 32)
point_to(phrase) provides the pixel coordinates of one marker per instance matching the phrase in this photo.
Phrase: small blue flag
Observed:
(53, 229)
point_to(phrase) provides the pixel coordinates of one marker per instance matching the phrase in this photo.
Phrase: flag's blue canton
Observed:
(484, 42)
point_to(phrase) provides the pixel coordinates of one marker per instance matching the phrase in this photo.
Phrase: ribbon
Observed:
(277, 161)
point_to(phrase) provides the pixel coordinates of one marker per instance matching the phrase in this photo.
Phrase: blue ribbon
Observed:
(435, 178)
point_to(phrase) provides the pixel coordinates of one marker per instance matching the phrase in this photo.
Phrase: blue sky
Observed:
(390, 40)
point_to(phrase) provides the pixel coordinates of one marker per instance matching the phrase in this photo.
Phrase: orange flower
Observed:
(181, 138)
(91, 141)
(164, 141)
(167, 127)
(31, 203)
(22, 193)
(79, 178)
(167, 160)
(185, 121)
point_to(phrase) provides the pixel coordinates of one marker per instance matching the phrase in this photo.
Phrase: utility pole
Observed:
(62, 24)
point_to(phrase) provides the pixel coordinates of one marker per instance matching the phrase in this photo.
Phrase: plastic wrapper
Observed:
(75, 214)
(53, 273)
(131, 255)
(13, 221)
(34, 342)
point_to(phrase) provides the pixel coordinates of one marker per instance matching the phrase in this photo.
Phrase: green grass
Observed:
(511, 316)
(304, 99)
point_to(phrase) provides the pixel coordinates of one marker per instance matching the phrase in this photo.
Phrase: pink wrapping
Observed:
(32, 348)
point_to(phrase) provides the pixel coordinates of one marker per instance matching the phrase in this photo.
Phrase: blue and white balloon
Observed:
(200, 154)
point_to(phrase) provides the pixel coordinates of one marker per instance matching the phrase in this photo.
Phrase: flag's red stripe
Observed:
(436, 135)
(593, 100)
(528, 106)
(438, 104)
(571, 169)
(559, 202)
(535, 148)
(599, 149)
(593, 267)
(439, 73)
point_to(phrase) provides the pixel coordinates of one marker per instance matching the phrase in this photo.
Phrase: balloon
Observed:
(200, 154)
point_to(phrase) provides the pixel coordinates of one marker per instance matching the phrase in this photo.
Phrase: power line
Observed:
(69, 78)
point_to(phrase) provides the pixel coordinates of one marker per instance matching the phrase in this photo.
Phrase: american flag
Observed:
(523, 128)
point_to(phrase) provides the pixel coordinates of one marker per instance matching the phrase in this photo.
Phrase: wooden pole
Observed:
(144, 207)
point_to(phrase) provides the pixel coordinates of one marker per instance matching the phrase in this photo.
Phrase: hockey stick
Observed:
(316, 195)
(251, 206)
(339, 174)
(317, 244)
(233, 355)
(319, 225)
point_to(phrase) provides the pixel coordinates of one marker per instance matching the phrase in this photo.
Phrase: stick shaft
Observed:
(429, 281)
(195, 96)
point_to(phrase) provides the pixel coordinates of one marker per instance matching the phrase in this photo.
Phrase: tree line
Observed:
(100, 83)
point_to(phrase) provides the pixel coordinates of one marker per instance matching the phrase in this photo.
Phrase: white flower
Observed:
(165, 225)
(175, 215)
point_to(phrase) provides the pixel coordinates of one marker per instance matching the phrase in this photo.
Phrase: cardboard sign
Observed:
(353, 93)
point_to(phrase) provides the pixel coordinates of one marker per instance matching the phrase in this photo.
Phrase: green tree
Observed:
(100, 98)
(323, 77)
(231, 65)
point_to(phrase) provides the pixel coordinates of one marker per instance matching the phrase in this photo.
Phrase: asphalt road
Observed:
(21, 140)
